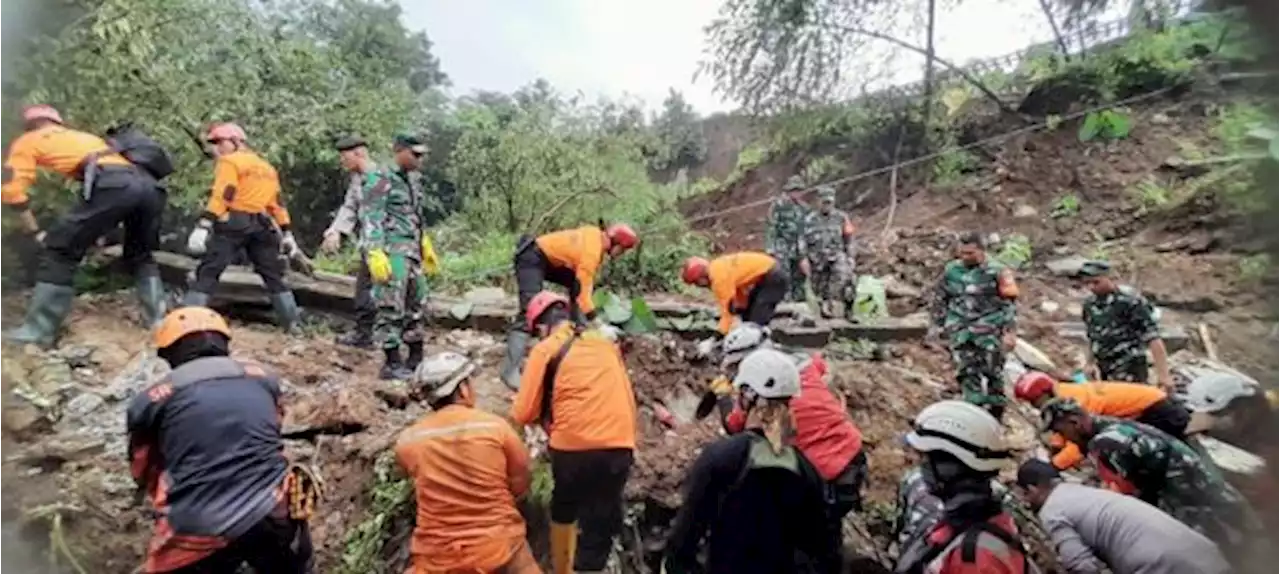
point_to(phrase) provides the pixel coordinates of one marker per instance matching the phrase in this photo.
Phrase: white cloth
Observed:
(197, 240)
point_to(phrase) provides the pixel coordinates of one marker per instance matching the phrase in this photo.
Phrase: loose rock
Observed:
(1067, 266)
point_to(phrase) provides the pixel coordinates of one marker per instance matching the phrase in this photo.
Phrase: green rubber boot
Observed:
(517, 344)
(152, 298)
(286, 308)
(50, 305)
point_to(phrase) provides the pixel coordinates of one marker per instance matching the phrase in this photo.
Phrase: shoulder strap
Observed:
(205, 369)
(549, 377)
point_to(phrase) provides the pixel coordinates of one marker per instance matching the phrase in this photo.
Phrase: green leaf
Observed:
(1118, 125)
(642, 318)
(1089, 128)
(462, 310)
(616, 311)
(683, 323)
(1274, 148)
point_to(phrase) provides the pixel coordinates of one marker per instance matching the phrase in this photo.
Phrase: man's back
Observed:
(467, 466)
(1130, 535)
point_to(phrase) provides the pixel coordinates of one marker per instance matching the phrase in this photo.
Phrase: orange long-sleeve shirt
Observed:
(732, 277)
(581, 250)
(593, 406)
(243, 181)
(1121, 400)
(468, 467)
(52, 147)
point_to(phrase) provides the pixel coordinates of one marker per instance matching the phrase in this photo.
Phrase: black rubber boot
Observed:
(392, 367)
(286, 308)
(152, 298)
(195, 299)
(415, 355)
(50, 305)
(358, 338)
(517, 344)
(997, 411)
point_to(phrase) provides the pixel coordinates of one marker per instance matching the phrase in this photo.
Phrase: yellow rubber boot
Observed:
(564, 545)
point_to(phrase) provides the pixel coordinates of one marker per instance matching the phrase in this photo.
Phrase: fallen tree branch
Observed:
(893, 186)
(1206, 340)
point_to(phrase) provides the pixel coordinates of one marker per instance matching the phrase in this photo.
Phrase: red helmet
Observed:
(539, 305)
(227, 131)
(694, 268)
(40, 112)
(1032, 385)
(622, 235)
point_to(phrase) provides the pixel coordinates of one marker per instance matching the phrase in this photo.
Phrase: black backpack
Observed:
(140, 149)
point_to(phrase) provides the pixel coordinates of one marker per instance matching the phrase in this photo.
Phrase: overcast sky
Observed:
(642, 47)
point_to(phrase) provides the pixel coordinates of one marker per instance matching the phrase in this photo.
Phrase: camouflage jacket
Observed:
(390, 217)
(967, 306)
(784, 236)
(1173, 476)
(827, 236)
(1120, 324)
(918, 508)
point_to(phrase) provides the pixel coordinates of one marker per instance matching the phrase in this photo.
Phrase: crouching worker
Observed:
(754, 495)
(468, 468)
(747, 285)
(1134, 401)
(575, 385)
(569, 258)
(244, 213)
(205, 445)
(825, 433)
(969, 532)
(115, 191)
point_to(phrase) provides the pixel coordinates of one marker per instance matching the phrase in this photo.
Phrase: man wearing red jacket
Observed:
(825, 434)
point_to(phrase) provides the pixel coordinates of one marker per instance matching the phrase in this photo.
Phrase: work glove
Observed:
(332, 241)
(707, 346)
(288, 244)
(199, 237)
(430, 261)
(379, 266)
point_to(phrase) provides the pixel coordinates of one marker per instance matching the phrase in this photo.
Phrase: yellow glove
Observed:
(430, 261)
(720, 386)
(379, 266)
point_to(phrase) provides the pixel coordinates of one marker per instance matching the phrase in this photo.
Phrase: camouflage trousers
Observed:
(400, 301)
(918, 508)
(1130, 367)
(790, 264)
(834, 280)
(979, 365)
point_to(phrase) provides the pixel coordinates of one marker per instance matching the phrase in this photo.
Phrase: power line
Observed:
(483, 273)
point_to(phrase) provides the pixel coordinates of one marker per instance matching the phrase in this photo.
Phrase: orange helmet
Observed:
(622, 235)
(227, 131)
(1032, 385)
(694, 268)
(41, 112)
(187, 320)
(539, 305)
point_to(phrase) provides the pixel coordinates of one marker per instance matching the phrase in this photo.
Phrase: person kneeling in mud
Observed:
(825, 433)
(204, 443)
(758, 500)
(468, 468)
(747, 286)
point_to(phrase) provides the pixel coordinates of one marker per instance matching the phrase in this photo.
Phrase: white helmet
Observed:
(441, 373)
(743, 339)
(770, 374)
(963, 430)
(1212, 392)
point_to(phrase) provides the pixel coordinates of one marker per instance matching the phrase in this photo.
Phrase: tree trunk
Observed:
(928, 66)
(1057, 32)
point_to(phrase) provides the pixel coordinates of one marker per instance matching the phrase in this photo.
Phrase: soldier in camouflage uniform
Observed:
(1122, 327)
(391, 227)
(919, 509)
(784, 236)
(1143, 461)
(829, 250)
(973, 306)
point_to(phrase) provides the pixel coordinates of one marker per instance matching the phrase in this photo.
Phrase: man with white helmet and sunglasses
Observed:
(468, 467)
(824, 431)
(757, 499)
(950, 520)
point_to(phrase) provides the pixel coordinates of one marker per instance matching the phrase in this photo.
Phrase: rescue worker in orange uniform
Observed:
(575, 385)
(748, 285)
(569, 258)
(1134, 401)
(204, 443)
(244, 212)
(116, 191)
(468, 468)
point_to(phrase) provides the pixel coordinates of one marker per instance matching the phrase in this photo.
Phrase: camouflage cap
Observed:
(349, 142)
(827, 193)
(794, 183)
(438, 375)
(411, 142)
(1056, 409)
(1094, 268)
